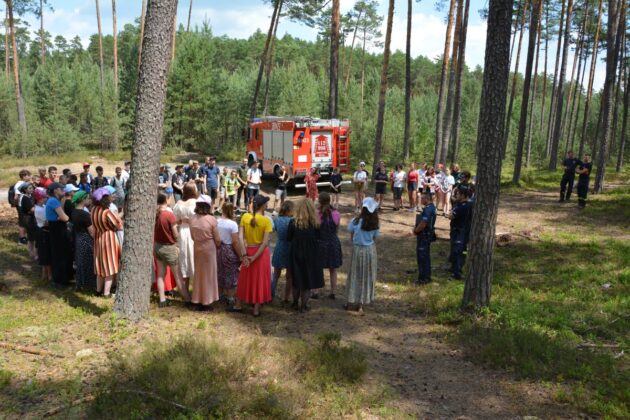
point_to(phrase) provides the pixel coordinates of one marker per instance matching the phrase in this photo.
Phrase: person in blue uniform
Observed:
(584, 172)
(569, 164)
(461, 217)
(425, 234)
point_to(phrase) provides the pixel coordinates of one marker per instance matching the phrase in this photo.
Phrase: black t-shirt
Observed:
(336, 179)
(281, 181)
(381, 176)
(192, 173)
(26, 204)
(68, 207)
(99, 182)
(583, 179)
(570, 165)
(81, 220)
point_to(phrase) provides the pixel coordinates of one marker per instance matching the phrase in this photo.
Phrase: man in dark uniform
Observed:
(566, 184)
(461, 217)
(425, 234)
(584, 172)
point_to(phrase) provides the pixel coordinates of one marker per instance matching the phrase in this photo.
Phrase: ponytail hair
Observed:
(252, 223)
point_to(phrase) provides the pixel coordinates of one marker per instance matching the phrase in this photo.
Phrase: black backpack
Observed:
(11, 196)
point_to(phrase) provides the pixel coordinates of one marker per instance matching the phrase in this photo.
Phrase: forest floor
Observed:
(551, 346)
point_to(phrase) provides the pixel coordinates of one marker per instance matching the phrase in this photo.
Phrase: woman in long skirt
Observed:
(228, 259)
(281, 253)
(254, 280)
(329, 243)
(305, 262)
(84, 242)
(106, 245)
(363, 267)
(204, 232)
(184, 210)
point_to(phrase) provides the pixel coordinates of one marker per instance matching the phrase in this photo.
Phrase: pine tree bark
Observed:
(19, 100)
(457, 106)
(554, 86)
(448, 115)
(478, 284)
(269, 65)
(354, 38)
(6, 45)
(624, 124)
(333, 85)
(100, 45)
(134, 280)
(532, 102)
(407, 132)
(544, 89)
(115, 46)
(533, 32)
(189, 15)
(615, 13)
(574, 126)
(618, 84)
(589, 90)
(174, 38)
(557, 130)
(380, 119)
(442, 92)
(142, 19)
(508, 121)
(42, 38)
(263, 59)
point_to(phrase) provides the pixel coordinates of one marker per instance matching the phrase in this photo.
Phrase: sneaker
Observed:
(22, 241)
(331, 296)
(164, 303)
(315, 296)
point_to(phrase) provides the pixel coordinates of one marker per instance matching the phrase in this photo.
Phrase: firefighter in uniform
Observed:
(566, 184)
(425, 234)
(584, 172)
(461, 217)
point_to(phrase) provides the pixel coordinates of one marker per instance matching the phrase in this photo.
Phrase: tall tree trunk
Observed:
(407, 132)
(544, 89)
(42, 38)
(380, 119)
(100, 45)
(618, 85)
(115, 35)
(457, 106)
(508, 121)
(573, 126)
(269, 65)
(478, 284)
(532, 102)
(19, 100)
(263, 59)
(589, 90)
(554, 86)
(362, 78)
(333, 85)
(442, 92)
(615, 12)
(142, 19)
(189, 15)
(522, 125)
(354, 37)
(174, 39)
(448, 115)
(624, 124)
(6, 45)
(134, 280)
(557, 130)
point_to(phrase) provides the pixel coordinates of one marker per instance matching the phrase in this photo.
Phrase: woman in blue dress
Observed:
(282, 251)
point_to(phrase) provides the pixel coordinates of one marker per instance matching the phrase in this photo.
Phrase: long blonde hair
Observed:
(305, 215)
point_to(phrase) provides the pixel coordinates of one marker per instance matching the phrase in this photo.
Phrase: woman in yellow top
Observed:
(254, 280)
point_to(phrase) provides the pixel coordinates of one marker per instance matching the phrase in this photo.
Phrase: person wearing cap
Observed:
(461, 218)
(86, 171)
(27, 209)
(42, 234)
(363, 265)
(178, 180)
(360, 180)
(60, 245)
(204, 233)
(241, 175)
(165, 234)
(311, 184)
(85, 278)
(107, 251)
(254, 280)
(69, 190)
(184, 210)
(425, 234)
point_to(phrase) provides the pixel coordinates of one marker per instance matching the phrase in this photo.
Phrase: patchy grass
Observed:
(541, 179)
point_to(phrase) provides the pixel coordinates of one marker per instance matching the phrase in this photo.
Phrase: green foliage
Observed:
(5, 378)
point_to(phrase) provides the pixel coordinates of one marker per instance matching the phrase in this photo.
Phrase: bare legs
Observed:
(104, 285)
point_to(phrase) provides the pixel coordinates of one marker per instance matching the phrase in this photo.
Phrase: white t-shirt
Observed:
(399, 179)
(448, 182)
(360, 176)
(254, 176)
(16, 188)
(226, 228)
(40, 216)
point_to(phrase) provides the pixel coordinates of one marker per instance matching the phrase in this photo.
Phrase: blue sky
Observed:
(240, 18)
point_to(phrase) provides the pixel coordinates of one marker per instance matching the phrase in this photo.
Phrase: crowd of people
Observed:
(210, 249)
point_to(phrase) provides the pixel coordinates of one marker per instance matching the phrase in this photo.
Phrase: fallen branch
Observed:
(74, 403)
(30, 350)
(603, 346)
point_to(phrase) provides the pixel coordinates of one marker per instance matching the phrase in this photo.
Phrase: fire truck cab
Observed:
(299, 143)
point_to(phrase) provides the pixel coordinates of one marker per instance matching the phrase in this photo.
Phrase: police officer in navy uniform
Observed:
(584, 171)
(566, 184)
(461, 217)
(425, 234)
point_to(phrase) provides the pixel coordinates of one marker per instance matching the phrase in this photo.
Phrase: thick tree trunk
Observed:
(532, 102)
(142, 19)
(263, 59)
(442, 92)
(554, 86)
(522, 125)
(478, 284)
(557, 130)
(115, 35)
(333, 85)
(624, 124)
(19, 100)
(457, 106)
(134, 280)
(618, 84)
(574, 125)
(508, 121)
(589, 90)
(174, 38)
(407, 132)
(380, 119)
(544, 89)
(354, 38)
(42, 37)
(448, 115)
(269, 65)
(189, 15)
(615, 12)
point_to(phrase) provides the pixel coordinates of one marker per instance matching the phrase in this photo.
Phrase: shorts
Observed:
(281, 194)
(397, 193)
(222, 192)
(359, 186)
(167, 253)
(212, 192)
(380, 188)
(412, 186)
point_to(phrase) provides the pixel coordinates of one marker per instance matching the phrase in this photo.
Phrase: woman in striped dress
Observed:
(106, 246)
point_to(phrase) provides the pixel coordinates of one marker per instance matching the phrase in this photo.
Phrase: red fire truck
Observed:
(299, 143)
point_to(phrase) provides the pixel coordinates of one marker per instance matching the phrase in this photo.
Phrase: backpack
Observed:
(11, 196)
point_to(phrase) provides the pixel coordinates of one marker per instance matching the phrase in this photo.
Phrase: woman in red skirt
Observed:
(254, 280)
(311, 184)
